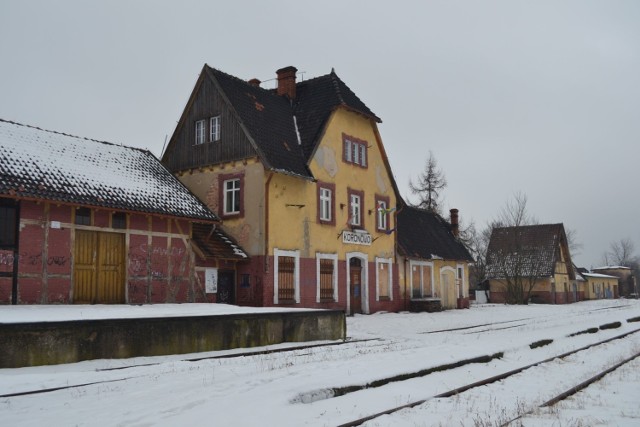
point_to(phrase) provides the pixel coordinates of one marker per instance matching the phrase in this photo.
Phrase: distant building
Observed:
(628, 285)
(600, 286)
(538, 257)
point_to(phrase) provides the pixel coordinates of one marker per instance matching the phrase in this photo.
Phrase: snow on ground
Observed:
(296, 388)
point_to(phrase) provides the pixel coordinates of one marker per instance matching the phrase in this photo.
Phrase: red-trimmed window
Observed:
(355, 204)
(326, 203)
(382, 213)
(354, 150)
(231, 198)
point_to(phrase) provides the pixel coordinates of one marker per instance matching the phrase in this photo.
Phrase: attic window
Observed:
(354, 151)
(200, 132)
(214, 129)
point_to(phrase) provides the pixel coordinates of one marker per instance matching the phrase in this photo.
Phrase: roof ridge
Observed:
(239, 80)
(144, 150)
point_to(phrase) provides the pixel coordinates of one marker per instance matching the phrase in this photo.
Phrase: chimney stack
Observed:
(287, 82)
(455, 229)
(255, 82)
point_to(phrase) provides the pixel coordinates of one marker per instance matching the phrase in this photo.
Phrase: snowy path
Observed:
(266, 389)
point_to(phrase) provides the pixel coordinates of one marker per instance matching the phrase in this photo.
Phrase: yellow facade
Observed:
(600, 286)
(446, 280)
(293, 202)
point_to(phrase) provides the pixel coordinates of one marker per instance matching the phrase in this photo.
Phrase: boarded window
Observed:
(421, 281)
(326, 279)
(384, 279)
(119, 220)
(8, 224)
(286, 278)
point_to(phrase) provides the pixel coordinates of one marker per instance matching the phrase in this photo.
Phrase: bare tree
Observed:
(621, 252)
(430, 184)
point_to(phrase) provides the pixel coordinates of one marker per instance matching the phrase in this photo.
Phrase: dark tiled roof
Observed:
(315, 101)
(269, 118)
(525, 251)
(41, 164)
(216, 243)
(426, 235)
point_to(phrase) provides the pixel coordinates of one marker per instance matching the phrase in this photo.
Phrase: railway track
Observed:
(493, 379)
(194, 359)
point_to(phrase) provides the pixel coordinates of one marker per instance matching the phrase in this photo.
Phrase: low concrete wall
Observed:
(48, 343)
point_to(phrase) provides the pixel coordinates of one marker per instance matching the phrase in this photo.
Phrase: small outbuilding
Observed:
(86, 221)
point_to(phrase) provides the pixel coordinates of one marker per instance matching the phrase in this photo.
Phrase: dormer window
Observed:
(214, 129)
(200, 124)
(354, 150)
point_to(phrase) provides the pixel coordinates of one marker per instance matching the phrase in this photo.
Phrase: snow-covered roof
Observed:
(612, 267)
(599, 276)
(42, 164)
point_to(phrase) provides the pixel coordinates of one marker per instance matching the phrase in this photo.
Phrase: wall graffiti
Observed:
(156, 250)
(25, 258)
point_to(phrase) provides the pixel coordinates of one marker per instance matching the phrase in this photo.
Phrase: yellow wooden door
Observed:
(99, 265)
(110, 268)
(84, 272)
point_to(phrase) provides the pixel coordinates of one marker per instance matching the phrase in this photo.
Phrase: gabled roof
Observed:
(526, 251)
(47, 165)
(426, 235)
(284, 132)
(268, 118)
(216, 243)
(316, 99)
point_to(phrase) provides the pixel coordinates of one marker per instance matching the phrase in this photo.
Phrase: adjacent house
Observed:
(433, 262)
(627, 282)
(600, 286)
(300, 177)
(85, 221)
(533, 263)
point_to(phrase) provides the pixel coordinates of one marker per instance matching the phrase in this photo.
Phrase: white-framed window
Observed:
(355, 151)
(325, 204)
(422, 280)
(200, 125)
(232, 196)
(355, 208)
(327, 277)
(384, 279)
(214, 129)
(286, 280)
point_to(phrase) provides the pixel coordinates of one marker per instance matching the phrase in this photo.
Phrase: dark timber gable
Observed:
(206, 101)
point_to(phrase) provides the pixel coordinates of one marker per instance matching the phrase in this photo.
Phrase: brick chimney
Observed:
(254, 82)
(455, 229)
(287, 81)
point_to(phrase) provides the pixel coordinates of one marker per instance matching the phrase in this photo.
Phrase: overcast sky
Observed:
(541, 97)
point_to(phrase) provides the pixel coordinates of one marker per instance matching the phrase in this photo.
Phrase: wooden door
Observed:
(99, 266)
(226, 287)
(84, 271)
(355, 280)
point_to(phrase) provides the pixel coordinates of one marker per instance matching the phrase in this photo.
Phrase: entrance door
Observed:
(99, 267)
(226, 287)
(446, 281)
(355, 280)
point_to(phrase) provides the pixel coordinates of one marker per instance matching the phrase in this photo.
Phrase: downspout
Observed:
(266, 222)
(405, 283)
(16, 254)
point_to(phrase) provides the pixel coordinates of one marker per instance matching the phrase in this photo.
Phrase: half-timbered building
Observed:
(85, 221)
